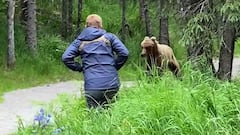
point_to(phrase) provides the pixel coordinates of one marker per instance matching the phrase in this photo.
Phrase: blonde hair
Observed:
(94, 20)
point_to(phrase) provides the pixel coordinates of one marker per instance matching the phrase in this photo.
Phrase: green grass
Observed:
(197, 105)
(34, 74)
(237, 48)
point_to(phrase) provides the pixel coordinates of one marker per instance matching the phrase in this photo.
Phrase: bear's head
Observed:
(148, 45)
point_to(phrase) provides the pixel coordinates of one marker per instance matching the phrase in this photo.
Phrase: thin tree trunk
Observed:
(23, 17)
(147, 21)
(31, 27)
(123, 32)
(163, 24)
(164, 35)
(226, 53)
(64, 19)
(141, 10)
(70, 20)
(11, 46)
(80, 4)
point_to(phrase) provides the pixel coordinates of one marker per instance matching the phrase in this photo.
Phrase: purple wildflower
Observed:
(42, 118)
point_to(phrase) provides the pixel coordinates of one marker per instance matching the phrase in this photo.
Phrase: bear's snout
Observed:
(143, 53)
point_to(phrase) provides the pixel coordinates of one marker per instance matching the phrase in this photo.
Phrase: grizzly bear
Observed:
(159, 55)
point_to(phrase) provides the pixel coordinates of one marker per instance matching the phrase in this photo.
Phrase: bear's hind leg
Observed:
(173, 68)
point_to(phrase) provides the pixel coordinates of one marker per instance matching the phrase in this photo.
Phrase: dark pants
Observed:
(101, 98)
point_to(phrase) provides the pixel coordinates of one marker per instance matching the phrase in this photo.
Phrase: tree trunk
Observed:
(164, 35)
(226, 53)
(31, 27)
(147, 21)
(70, 20)
(64, 19)
(141, 10)
(123, 31)
(11, 46)
(23, 17)
(163, 24)
(80, 4)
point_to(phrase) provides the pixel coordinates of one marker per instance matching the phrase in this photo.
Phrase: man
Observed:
(102, 55)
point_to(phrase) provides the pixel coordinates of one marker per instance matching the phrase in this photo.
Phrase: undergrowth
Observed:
(198, 105)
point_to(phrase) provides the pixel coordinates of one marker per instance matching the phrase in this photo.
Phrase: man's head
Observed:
(94, 20)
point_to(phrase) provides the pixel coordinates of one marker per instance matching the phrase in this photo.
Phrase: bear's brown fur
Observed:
(160, 55)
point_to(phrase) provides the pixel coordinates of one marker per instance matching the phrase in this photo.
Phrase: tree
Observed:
(141, 10)
(31, 26)
(163, 23)
(80, 5)
(198, 33)
(70, 18)
(148, 24)
(11, 46)
(67, 28)
(123, 30)
(231, 18)
(204, 22)
(64, 19)
(23, 17)
(226, 53)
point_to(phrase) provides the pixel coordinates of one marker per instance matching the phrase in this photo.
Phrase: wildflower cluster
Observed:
(42, 122)
(42, 119)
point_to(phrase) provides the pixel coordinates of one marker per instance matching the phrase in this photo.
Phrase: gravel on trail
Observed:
(22, 102)
(25, 103)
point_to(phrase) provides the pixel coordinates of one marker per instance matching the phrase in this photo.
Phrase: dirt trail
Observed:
(23, 102)
(27, 102)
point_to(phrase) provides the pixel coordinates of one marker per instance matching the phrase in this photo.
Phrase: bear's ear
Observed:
(146, 37)
(153, 38)
(147, 42)
(142, 43)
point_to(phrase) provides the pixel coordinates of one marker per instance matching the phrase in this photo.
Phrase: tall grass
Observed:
(197, 105)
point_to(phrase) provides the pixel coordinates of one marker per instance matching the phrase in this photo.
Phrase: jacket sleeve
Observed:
(121, 51)
(70, 54)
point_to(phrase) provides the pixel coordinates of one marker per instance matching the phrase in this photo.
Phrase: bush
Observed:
(51, 48)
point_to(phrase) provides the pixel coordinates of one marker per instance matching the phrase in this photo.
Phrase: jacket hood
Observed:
(91, 33)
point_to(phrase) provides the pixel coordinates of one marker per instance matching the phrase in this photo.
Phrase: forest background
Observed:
(189, 25)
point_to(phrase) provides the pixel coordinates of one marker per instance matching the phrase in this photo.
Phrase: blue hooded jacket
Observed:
(99, 62)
